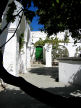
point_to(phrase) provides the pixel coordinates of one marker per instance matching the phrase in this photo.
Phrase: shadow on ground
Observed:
(11, 98)
(18, 99)
(50, 71)
(67, 91)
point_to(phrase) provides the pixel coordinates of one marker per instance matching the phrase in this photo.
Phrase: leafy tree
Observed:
(55, 15)
(58, 15)
(3, 4)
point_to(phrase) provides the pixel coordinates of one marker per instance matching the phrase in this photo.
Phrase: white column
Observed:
(44, 54)
(32, 54)
(48, 48)
(28, 57)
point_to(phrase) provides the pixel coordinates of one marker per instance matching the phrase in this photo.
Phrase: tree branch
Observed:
(4, 28)
(13, 34)
(9, 22)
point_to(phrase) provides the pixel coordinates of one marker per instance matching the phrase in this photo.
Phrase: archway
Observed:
(59, 51)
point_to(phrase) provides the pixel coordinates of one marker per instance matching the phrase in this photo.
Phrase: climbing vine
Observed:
(54, 41)
(21, 41)
(57, 50)
(40, 42)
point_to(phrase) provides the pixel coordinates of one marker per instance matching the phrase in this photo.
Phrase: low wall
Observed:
(70, 70)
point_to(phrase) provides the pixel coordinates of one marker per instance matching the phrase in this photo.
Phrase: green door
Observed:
(39, 53)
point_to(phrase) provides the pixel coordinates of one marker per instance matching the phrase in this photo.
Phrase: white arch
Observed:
(71, 48)
(11, 49)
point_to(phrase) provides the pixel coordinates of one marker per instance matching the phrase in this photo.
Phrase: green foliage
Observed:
(28, 13)
(3, 4)
(39, 43)
(58, 51)
(58, 15)
(21, 41)
(54, 41)
(55, 15)
(10, 16)
(57, 1)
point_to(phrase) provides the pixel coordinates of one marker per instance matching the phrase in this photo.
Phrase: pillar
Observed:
(48, 48)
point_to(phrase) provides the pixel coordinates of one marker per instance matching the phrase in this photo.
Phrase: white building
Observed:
(36, 35)
(71, 47)
(13, 61)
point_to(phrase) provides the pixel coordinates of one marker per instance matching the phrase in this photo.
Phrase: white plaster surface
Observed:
(36, 35)
(70, 71)
(48, 53)
(12, 60)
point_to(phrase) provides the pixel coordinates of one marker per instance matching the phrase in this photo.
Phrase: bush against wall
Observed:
(21, 41)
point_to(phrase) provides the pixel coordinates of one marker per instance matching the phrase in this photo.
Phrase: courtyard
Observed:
(42, 77)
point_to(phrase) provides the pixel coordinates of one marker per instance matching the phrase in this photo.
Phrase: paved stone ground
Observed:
(46, 78)
(40, 76)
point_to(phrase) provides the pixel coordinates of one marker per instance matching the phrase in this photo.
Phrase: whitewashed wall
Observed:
(9, 51)
(28, 45)
(71, 48)
(36, 35)
(25, 55)
(11, 57)
(70, 71)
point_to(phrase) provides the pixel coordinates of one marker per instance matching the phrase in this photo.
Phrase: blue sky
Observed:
(34, 23)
